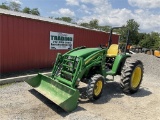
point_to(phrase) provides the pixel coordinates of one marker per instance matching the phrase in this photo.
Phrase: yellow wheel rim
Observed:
(98, 88)
(136, 77)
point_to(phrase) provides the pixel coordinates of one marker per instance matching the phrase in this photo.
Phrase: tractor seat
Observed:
(112, 51)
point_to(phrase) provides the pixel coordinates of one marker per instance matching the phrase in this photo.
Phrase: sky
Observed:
(108, 12)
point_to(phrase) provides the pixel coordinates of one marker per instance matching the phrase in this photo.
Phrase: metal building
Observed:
(25, 40)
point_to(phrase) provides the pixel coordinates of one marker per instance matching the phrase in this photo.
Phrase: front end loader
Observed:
(91, 66)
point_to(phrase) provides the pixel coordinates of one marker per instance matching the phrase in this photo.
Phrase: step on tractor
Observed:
(90, 66)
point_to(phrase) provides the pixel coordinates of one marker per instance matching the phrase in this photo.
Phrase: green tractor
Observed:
(91, 66)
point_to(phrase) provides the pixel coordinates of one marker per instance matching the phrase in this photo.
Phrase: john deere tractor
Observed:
(91, 66)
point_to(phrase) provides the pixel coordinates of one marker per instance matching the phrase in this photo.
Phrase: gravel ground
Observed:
(151, 63)
(18, 101)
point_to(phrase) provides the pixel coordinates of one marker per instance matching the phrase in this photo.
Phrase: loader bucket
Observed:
(61, 94)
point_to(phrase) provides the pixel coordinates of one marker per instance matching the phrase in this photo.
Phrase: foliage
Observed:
(151, 41)
(11, 6)
(66, 19)
(35, 11)
(93, 24)
(4, 6)
(104, 28)
(133, 28)
(17, 7)
(85, 25)
(26, 10)
(14, 6)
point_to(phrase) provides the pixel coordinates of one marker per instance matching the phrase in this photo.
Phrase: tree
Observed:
(14, 6)
(66, 19)
(93, 24)
(26, 10)
(4, 6)
(133, 27)
(104, 28)
(84, 25)
(151, 41)
(145, 42)
(157, 41)
(11, 6)
(35, 11)
(17, 7)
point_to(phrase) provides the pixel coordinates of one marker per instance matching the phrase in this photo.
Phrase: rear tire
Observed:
(95, 87)
(131, 75)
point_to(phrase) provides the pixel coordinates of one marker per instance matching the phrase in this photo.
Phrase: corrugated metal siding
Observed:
(25, 42)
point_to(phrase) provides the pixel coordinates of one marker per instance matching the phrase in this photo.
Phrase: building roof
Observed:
(35, 17)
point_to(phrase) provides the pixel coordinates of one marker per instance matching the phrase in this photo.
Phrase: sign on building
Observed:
(61, 41)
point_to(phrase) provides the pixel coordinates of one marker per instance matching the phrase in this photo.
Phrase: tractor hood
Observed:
(84, 52)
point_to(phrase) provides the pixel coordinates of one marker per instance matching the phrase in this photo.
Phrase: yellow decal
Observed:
(91, 58)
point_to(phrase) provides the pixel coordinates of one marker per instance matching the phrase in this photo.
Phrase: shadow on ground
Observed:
(52, 105)
(111, 90)
(142, 92)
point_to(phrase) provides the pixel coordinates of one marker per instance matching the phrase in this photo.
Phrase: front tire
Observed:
(131, 75)
(95, 87)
